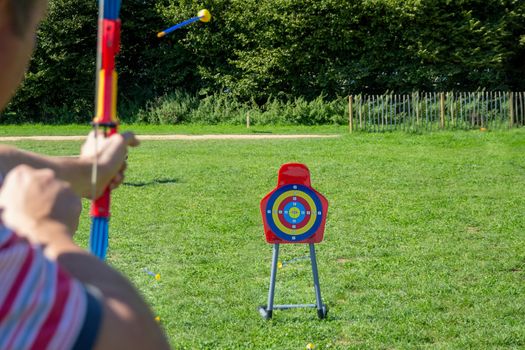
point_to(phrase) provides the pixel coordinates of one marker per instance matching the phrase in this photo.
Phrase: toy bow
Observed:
(108, 47)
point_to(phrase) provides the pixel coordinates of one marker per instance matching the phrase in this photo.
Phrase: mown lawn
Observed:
(424, 244)
(83, 129)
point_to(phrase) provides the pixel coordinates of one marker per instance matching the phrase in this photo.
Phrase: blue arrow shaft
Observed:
(181, 24)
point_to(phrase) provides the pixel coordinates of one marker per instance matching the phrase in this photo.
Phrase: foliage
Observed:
(180, 107)
(59, 85)
(308, 48)
(259, 50)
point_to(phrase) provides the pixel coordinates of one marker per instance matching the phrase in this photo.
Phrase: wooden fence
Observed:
(436, 110)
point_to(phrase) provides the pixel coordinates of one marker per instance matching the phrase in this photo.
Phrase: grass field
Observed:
(424, 244)
(77, 129)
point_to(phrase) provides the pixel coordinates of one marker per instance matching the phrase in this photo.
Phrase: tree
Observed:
(258, 50)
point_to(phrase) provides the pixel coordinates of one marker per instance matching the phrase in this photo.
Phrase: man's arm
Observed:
(127, 322)
(70, 169)
(44, 210)
(110, 154)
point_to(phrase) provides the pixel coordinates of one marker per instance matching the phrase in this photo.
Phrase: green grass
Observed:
(424, 244)
(77, 129)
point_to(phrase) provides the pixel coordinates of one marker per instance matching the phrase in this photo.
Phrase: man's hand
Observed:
(31, 198)
(110, 154)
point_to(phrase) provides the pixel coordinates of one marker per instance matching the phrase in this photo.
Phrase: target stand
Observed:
(294, 213)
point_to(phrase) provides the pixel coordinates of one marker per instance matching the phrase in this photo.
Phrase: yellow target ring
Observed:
(275, 213)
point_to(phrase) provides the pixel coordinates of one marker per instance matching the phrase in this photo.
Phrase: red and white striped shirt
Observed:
(41, 306)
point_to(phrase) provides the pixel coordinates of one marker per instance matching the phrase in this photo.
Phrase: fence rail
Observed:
(436, 110)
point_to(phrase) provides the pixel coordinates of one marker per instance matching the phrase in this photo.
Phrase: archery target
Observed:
(294, 212)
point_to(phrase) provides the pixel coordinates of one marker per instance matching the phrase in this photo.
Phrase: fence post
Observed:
(360, 111)
(350, 113)
(442, 109)
(483, 105)
(452, 108)
(511, 109)
(417, 109)
(519, 112)
(500, 105)
(248, 120)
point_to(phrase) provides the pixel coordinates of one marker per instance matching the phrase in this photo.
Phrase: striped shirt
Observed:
(41, 306)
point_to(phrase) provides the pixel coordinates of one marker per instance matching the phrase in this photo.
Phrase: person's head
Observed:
(19, 21)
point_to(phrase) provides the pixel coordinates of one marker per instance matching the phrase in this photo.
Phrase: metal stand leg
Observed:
(267, 311)
(321, 309)
(271, 292)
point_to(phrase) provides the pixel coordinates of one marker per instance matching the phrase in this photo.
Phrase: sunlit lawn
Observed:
(424, 244)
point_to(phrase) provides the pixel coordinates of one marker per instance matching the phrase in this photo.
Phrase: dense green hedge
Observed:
(286, 50)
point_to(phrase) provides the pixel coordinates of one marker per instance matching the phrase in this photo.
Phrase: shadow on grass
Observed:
(261, 132)
(152, 182)
(302, 315)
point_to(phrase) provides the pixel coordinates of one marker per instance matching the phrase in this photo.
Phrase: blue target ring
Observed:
(291, 206)
(314, 216)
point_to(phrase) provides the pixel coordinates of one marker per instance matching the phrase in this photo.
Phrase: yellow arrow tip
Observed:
(204, 15)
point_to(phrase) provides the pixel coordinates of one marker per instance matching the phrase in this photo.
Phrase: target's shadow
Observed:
(302, 318)
(261, 132)
(152, 182)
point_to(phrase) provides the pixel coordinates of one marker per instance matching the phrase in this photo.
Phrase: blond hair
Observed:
(20, 12)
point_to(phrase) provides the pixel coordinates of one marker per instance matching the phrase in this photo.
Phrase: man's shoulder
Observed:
(46, 306)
